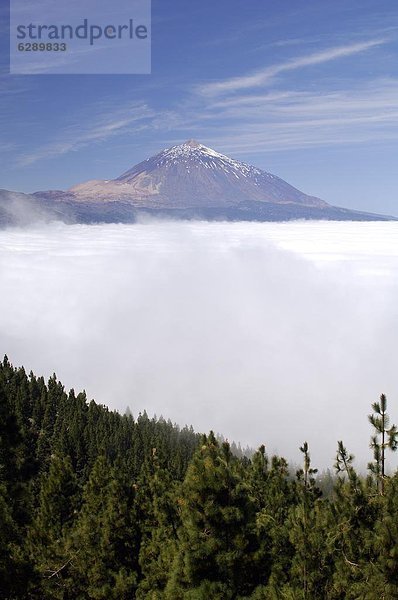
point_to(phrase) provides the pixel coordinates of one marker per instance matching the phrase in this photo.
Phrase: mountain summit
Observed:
(187, 181)
(191, 175)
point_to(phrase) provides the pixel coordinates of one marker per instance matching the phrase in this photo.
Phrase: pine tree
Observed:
(274, 495)
(307, 524)
(53, 395)
(7, 537)
(383, 574)
(49, 537)
(353, 514)
(106, 540)
(218, 552)
(384, 437)
(15, 573)
(344, 462)
(157, 499)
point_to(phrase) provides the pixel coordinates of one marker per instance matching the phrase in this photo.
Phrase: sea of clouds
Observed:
(269, 333)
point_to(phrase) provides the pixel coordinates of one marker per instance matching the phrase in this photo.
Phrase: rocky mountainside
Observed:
(192, 175)
(188, 181)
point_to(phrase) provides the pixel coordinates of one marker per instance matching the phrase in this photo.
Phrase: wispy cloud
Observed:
(263, 76)
(101, 128)
(368, 99)
(244, 123)
(290, 119)
(104, 123)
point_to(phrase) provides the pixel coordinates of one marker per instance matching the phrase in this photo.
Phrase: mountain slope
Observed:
(187, 181)
(191, 175)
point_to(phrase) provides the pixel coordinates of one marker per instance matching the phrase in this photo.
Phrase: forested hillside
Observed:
(98, 505)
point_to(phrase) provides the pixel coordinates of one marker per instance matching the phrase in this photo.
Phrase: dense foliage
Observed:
(98, 505)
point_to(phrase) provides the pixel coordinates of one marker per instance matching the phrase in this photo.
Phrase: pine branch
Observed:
(352, 564)
(58, 571)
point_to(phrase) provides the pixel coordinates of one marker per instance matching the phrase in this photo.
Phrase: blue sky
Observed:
(306, 90)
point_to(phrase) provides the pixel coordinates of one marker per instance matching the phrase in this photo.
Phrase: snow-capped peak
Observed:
(190, 148)
(194, 154)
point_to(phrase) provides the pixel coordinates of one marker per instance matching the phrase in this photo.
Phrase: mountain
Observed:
(193, 176)
(190, 181)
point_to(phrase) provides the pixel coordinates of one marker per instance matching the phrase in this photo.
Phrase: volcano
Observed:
(191, 175)
(188, 181)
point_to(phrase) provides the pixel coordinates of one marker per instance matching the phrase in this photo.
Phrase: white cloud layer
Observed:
(270, 333)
